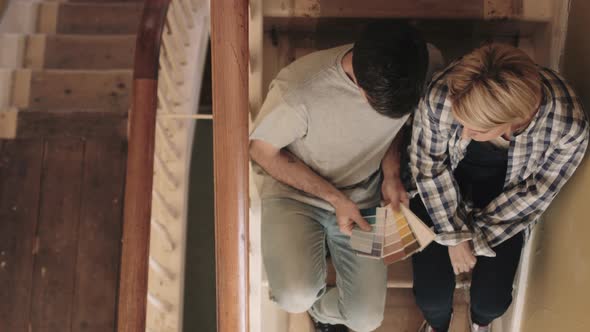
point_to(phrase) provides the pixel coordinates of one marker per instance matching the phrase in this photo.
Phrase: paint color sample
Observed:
(395, 235)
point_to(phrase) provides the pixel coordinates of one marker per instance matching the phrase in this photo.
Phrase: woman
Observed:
(494, 140)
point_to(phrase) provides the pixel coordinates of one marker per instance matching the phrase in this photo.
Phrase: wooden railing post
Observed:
(229, 41)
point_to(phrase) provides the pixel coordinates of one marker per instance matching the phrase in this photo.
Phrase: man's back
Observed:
(319, 114)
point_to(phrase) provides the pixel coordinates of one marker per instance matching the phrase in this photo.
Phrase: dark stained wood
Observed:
(149, 38)
(71, 124)
(132, 302)
(137, 208)
(107, 18)
(80, 90)
(229, 40)
(89, 52)
(57, 235)
(20, 178)
(99, 244)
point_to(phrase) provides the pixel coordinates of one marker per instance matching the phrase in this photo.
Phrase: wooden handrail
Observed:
(229, 41)
(230, 124)
(133, 282)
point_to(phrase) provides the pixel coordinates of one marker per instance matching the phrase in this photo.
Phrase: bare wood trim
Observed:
(229, 32)
(47, 19)
(133, 286)
(375, 8)
(496, 9)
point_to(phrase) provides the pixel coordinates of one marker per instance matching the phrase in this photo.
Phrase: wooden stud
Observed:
(35, 52)
(499, 9)
(8, 124)
(48, 14)
(21, 88)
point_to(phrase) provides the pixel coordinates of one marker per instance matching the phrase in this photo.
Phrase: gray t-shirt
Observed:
(315, 111)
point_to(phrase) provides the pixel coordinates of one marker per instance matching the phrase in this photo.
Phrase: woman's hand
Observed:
(462, 257)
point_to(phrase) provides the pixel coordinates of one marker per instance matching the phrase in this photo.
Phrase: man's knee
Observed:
(364, 320)
(296, 297)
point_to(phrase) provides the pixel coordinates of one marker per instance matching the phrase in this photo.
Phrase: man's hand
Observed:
(347, 214)
(462, 257)
(393, 192)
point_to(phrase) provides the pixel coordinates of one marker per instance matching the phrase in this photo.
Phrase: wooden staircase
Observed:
(66, 83)
(76, 66)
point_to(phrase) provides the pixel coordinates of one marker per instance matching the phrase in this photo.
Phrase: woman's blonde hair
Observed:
(494, 85)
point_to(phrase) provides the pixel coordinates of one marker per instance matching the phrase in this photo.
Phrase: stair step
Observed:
(399, 275)
(89, 18)
(25, 124)
(403, 315)
(80, 52)
(63, 90)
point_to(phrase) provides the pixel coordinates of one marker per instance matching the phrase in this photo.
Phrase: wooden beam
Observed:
(473, 9)
(229, 40)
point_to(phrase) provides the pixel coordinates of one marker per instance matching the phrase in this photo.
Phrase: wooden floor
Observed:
(60, 229)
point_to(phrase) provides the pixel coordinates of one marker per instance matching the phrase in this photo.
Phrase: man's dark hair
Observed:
(390, 60)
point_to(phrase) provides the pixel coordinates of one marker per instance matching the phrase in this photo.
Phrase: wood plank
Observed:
(98, 18)
(99, 239)
(20, 178)
(63, 90)
(57, 236)
(31, 124)
(83, 52)
(376, 8)
(229, 41)
(499, 9)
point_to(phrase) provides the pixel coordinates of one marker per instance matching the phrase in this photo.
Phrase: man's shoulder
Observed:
(308, 67)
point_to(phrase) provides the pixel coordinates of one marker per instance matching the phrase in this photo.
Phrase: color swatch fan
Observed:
(395, 235)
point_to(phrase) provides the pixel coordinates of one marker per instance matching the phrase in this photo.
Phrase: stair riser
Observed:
(66, 90)
(80, 18)
(80, 52)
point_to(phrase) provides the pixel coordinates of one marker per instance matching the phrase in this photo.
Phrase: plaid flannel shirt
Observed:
(540, 161)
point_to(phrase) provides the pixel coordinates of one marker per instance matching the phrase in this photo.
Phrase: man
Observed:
(494, 140)
(329, 122)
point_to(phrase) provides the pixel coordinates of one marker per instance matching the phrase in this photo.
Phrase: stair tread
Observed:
(399, 275)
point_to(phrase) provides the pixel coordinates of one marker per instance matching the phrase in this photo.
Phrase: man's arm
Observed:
(287, 168)
(392, 189)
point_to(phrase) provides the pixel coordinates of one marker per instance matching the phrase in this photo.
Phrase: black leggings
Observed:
(480, 176)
